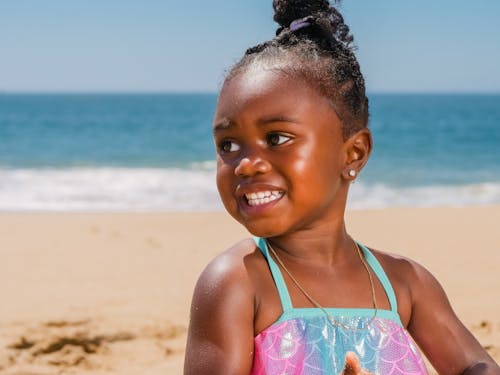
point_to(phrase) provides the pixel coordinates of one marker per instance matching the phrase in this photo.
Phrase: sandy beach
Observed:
(110, 293)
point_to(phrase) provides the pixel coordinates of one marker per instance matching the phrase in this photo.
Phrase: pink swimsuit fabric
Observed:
(312, 345)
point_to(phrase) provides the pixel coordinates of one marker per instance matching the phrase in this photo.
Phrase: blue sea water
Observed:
(154, 152)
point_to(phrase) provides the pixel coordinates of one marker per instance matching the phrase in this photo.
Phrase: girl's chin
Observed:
(263, 228)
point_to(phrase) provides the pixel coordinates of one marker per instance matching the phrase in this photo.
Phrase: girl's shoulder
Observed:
(233, 271)
(403, 269)
(239, 279)
(234, 261)
(222, 312)
(230, 265)
(396, 265)
(408, 278)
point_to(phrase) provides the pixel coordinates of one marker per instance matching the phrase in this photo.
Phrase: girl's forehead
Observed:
(269, 95)
(255, 79)
(269, 86)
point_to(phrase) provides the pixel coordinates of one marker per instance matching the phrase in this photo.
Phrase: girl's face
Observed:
(280, 153)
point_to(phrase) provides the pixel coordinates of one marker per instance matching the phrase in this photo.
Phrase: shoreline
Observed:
(111, 291)
(190, 187)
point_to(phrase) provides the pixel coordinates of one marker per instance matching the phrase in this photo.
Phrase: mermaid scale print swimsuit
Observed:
(305, 342)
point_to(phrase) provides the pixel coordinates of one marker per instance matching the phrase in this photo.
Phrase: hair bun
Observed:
(328, 26)
(287, 11)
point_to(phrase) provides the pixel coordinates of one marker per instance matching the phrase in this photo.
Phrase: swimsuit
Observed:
(304, 341)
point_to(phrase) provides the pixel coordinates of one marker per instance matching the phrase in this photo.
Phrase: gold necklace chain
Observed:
(316, 304)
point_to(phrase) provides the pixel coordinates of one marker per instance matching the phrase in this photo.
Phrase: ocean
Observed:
(154, 152)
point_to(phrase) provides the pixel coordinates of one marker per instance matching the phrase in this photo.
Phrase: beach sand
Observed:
(110, 293)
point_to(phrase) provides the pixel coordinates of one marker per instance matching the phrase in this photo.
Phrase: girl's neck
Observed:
(326, 244)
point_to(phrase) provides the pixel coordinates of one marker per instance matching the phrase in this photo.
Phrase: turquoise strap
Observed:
(379, 271)
(286, 302)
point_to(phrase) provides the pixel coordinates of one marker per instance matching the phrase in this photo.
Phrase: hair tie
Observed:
(300, 23)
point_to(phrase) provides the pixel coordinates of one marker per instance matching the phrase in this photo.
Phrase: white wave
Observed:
(169, 189)
(379, 195)
(108, 189)
(208, 165)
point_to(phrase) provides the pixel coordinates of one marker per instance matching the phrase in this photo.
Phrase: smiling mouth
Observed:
(263, 197)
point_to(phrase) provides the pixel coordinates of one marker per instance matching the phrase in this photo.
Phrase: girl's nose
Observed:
(251, 166)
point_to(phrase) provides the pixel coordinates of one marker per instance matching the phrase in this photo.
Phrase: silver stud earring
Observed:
(352, 173)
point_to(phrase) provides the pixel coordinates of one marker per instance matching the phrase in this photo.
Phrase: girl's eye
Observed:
(275, 139)
(228, 146)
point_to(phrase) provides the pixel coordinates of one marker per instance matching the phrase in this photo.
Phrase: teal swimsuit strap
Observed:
(286, 302)
(382, 276)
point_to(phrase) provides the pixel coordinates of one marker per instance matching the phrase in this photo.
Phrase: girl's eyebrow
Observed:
(277, 118)
(225, 124)
(222, 125)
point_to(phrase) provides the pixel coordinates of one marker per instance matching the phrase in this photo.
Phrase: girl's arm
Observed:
(447, 343)
(220, 337)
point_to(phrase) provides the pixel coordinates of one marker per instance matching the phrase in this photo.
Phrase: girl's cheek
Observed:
(224, 181)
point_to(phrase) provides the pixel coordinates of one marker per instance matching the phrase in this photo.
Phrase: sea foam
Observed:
(194, 189)
(107, 189)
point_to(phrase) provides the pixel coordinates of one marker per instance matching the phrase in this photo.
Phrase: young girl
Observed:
(303, 297)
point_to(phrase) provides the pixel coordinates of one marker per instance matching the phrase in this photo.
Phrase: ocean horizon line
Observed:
(206, 92)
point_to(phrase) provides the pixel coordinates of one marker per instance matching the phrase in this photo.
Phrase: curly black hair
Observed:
(314, 43)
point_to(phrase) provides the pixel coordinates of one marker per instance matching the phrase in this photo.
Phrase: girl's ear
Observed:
(357, 151)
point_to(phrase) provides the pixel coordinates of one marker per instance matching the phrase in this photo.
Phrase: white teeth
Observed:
(263, 197)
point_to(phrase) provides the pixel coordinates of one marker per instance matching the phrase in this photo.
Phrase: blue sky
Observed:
(179, 45)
